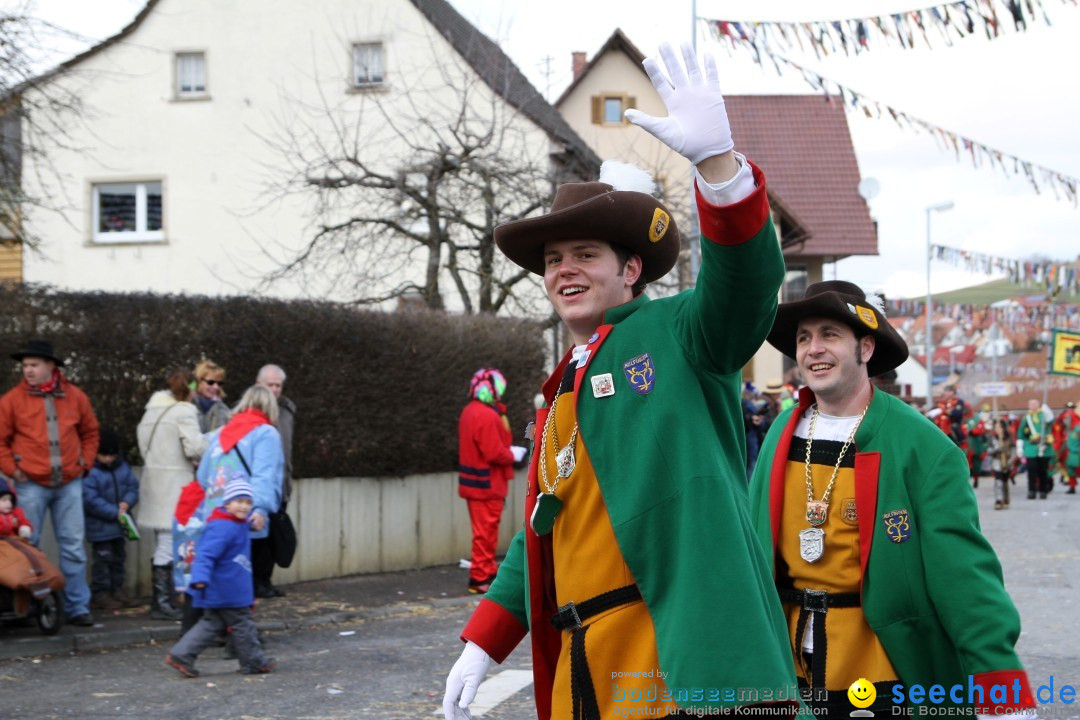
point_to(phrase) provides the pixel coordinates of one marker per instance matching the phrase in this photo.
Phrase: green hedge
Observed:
(378, 394)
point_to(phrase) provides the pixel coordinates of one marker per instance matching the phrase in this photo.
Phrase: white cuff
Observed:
(730, 191)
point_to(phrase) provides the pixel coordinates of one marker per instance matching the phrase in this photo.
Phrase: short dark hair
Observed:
(624, 256)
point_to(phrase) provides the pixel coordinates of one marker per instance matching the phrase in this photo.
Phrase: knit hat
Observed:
(487, 386)
(238, 488)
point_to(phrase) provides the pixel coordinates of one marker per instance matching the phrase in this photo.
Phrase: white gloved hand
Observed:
(25, 532)
(519, 452)
(464, 678)
(697, 123)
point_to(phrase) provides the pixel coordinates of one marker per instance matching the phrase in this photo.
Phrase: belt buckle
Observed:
(816, 600)
(568, 616)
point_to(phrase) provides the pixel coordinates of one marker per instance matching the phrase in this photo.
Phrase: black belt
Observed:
(816, 601)
(572, 617)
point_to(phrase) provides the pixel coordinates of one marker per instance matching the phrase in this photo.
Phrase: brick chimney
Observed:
(578, 62)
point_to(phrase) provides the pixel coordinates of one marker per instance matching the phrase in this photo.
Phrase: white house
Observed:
(200, 113)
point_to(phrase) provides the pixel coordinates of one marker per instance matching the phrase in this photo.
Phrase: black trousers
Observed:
(262, 562)
(1038, 475)
(107, 568)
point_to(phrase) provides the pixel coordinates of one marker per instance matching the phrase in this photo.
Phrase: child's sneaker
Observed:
(268, 666)
(181, 666)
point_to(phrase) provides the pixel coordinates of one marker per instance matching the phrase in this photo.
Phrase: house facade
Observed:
(205, 122)
(802, 143)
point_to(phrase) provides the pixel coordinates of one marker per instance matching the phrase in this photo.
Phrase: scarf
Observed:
(47, 387)
(241, 424)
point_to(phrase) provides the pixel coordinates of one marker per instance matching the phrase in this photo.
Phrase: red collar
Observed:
(222, 514)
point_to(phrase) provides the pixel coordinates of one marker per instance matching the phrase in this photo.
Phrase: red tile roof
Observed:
(804, 146)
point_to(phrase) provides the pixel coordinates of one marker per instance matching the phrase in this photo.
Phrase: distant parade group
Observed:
(1038, 443)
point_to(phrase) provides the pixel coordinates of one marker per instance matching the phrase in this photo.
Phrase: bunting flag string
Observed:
(981, 155)
(944, 23)
(1052, 276)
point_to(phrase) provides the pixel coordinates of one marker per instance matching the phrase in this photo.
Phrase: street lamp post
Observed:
(940, 207)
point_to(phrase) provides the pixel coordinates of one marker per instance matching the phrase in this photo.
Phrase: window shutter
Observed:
(597, 109)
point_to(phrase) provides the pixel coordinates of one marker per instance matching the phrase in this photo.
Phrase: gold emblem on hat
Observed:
(661, 221)
(867, 316)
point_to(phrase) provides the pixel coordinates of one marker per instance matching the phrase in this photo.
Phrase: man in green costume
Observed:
(638, 574)
(864, 509)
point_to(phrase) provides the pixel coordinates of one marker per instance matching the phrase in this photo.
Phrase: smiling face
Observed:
(862, 693)
(239, 507)
(6, 504)
(584, 278)
(831, 360)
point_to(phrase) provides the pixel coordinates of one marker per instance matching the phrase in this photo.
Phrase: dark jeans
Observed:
(262, 562)
(1038, 476)
(240, 626)
(107, 569)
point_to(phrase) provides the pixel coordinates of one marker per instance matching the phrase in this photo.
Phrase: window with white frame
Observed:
(190, 75)
(369, 65)
(128, 212)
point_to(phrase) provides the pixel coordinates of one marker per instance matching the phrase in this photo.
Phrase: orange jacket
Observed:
(24, 437)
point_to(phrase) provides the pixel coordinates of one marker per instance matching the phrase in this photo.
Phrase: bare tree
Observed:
(405, 194)
(36, 118)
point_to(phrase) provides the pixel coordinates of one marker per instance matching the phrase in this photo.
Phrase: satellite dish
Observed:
(869, 188)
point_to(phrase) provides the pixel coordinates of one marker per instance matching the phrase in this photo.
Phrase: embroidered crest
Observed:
(602, 385)
(867, 316)
(848, 513)
(661, 221)
(640, 374)
(897, 525)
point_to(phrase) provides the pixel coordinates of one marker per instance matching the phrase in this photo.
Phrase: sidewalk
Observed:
(311, 603)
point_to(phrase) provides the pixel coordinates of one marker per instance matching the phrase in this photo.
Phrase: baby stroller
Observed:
(30, 586)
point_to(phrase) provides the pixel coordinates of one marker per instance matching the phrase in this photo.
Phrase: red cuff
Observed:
(736, 223)
(1017, 692)
(494, 629)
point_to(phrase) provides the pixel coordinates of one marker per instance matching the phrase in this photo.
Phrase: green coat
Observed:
(670, 466)
(1042, 447)
(936, 599)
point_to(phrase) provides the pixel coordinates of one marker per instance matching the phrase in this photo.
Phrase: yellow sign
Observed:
(1065, 354)
(862, 693)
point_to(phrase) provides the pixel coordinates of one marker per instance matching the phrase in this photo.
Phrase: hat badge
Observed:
(661, 221)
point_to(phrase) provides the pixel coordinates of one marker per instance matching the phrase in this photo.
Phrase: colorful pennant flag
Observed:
(945, 23)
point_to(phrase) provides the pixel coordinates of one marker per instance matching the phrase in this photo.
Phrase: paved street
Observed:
(393, 667)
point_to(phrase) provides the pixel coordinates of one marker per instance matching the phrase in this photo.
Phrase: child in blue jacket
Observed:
(108, 490)
(221, 584)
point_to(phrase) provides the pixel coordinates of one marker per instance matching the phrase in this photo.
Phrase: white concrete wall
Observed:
(274, 67)
(350, 526)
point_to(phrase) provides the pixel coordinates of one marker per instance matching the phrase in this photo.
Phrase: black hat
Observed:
(38, 348)
(846, 302)
(108, 443)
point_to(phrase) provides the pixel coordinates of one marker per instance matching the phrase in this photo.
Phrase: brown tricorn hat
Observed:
(596, 211)
(846, 302)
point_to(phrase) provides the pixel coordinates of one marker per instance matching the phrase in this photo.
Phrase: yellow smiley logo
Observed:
(862, 693)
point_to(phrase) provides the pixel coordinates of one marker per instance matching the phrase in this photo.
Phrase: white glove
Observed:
(464, 678)
(1020, 448)
(519, 452)
(697, 123)
(25, 532)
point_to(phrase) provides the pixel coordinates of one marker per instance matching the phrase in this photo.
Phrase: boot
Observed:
(125, 600)
(103, 600)
(161, 606)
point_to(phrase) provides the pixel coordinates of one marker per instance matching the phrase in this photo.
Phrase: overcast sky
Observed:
(1019, 94)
